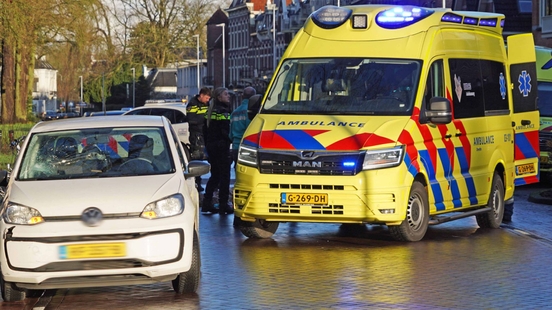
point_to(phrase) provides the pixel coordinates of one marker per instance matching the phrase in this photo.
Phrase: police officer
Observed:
(196, 111)
(217, 142)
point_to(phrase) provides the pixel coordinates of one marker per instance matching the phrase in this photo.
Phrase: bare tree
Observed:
(163, 29)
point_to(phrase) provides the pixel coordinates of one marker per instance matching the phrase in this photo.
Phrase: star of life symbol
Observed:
(524, 80)
(502, 82)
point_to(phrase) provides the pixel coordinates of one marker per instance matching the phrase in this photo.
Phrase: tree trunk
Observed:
(22, 82)
(8, 81)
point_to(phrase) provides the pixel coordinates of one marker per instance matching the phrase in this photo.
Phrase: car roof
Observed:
(100, 121)
(173, 106)
(111, 112)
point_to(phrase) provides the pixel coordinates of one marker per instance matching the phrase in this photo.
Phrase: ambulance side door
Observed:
(525, 119)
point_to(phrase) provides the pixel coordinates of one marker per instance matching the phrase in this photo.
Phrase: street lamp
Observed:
(197, 36)
(273, 5)
(80, 77)
(223, 55)
(133, 87)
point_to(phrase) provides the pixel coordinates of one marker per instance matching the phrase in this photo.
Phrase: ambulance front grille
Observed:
(311, 163)
(311, 209)
(307, 186)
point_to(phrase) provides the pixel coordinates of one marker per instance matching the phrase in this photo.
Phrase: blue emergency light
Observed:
(399, 17)
(330, 16)
(349, 164)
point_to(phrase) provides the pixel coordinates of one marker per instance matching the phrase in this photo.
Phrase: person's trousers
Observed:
(219, 158)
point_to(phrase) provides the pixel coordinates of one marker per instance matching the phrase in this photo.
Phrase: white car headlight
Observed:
(170, 206)
(247, 155)
(383, 158)
(18, 214)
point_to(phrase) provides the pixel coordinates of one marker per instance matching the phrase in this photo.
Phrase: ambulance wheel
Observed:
(493, 218)
(414, 227)
(259, 229)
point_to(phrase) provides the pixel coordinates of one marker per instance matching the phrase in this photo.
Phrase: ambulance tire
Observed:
(493, 218)
(414, 227)
(259, 229)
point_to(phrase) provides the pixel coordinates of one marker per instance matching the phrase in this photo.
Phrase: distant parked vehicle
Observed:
(107, 113)
(49, 115)
(175, 112)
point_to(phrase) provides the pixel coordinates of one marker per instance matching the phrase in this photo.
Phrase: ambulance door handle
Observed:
(525, 122)
(448, 136)
(458, 134)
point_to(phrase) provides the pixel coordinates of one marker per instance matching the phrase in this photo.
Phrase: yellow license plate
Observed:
(92, 250)
(525, 169)
(309, 199)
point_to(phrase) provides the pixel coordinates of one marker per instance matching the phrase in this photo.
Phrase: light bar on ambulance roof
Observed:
(402, 16)
(459, 19)
(331, 16)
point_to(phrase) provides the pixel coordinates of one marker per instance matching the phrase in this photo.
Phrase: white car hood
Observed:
(110, 195)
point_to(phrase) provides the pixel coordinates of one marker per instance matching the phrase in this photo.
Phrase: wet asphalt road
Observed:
(328, 266)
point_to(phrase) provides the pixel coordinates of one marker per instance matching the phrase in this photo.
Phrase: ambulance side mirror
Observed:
(439, 111)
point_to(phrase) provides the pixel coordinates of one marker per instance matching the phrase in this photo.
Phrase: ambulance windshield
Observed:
(354, 86)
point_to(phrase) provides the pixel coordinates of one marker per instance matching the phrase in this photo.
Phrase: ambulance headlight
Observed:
(383, 158)
(247, 155)
(399, 17)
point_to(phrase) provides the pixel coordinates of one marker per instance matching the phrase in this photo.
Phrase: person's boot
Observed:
(225, 208)
(207, 206)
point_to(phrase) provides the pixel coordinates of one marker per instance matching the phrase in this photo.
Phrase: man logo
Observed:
(92, 216)
(307, 154)
(307, 164)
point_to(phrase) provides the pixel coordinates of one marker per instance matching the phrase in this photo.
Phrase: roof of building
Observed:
(162, 77)
(43, 64)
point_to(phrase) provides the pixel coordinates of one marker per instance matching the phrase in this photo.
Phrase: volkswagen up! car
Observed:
(100, 201)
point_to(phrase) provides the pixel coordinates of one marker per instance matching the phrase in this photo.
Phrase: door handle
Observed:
(525, 122)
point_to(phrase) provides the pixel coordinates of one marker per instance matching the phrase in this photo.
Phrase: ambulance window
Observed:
(434, 83)
(496, 97)
(545, 98)
(468, 98)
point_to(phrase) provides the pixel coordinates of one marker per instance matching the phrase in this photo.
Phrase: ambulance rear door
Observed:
(525, 120)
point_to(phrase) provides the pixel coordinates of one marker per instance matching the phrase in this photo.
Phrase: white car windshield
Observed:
(353, 86)
(96, 152)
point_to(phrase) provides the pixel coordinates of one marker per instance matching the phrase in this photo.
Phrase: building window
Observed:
(525, 6)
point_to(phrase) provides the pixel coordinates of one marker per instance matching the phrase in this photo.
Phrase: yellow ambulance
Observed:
(392, 115)
(544, 78)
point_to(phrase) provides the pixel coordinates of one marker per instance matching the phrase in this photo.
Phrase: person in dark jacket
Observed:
(217, 142)
(196, 111)
(239, 121)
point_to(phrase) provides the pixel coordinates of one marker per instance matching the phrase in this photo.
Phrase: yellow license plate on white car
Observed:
(310, 199)
(92, 250)
(525, 169)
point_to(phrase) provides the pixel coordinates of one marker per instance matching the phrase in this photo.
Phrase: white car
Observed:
(175, 112)
(100, 201)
